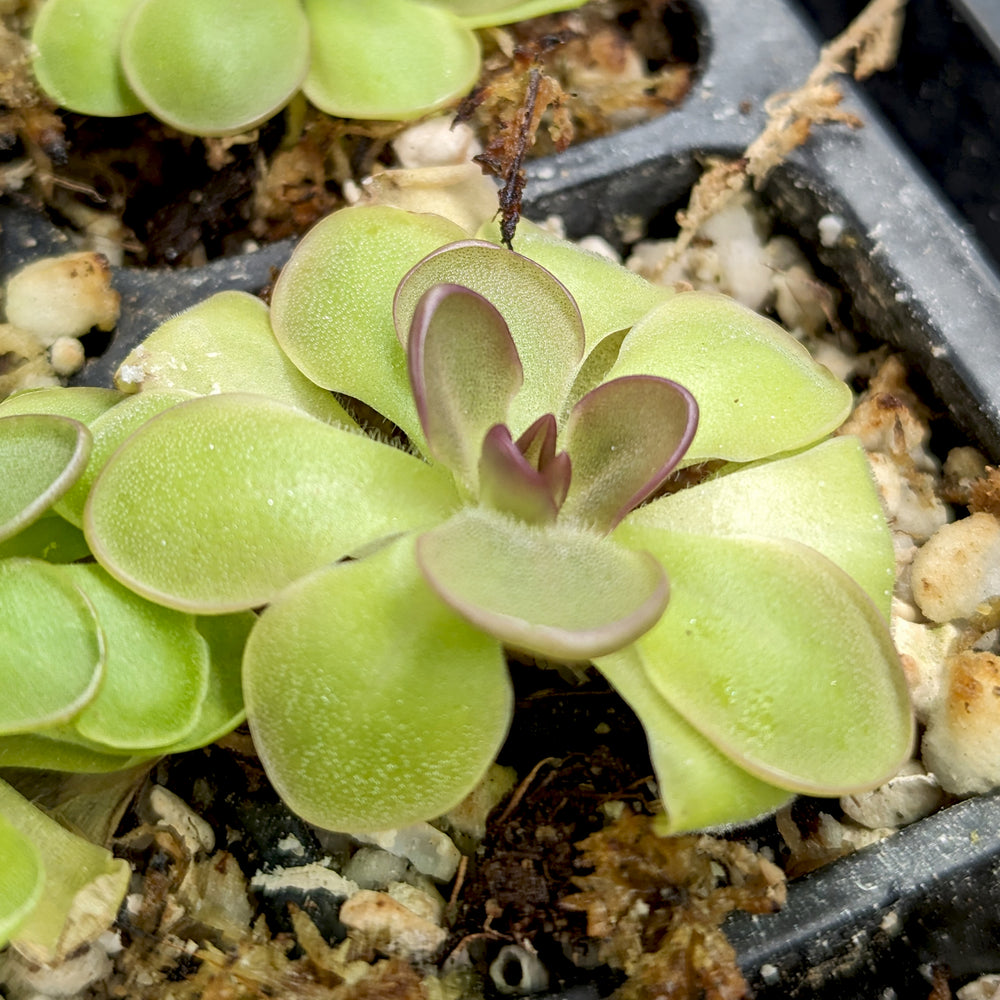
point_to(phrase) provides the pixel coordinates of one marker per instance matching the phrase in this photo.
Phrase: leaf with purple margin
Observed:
(699, 786)
(388, 707)
(218, 503)
(624, 438)
(538, 445)
(759, 390)
(543, 319)
(464, 370)
(779, 658)
(556, 591)
(510, 484)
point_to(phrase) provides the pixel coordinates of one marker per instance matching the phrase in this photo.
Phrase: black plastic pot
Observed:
(871, 924)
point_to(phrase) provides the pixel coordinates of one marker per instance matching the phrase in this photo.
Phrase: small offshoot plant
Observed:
(212, 67)
(547, 454)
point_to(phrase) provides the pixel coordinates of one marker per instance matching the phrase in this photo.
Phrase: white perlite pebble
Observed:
(66, 355)
(390, 926)
(22, 978)
(961, 746)
(908, 496)
(957, 571)
(436, 143)
(923, 651)
(910, 795)
(984, 988)
(373, 868)
(172, 811)
(63, 297)
(831, 228)
(428, 850)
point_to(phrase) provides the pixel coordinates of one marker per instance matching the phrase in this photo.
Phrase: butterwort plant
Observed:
(210, 67)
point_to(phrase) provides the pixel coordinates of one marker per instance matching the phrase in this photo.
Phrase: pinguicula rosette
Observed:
(544, 399)
(210, 67)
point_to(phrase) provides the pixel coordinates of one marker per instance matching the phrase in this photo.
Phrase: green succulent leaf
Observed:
(759, 390)
(206, 69)
(624, 438)
(464, 370)
(543, 319)
(156, 667)
(219, 503)
(510, 483)
(84, 884)
(391, 59)
(332, 304)
(108, 431)
(224, 344)
(41, 455)
(779, 658)
(357, 683)
(699, 786)
(22, 878)
(76, 60)
(51, 650)
(555, 591)
(824, 497)
(49, 752)
(50, 538)
(82, 403)
(486, 13)
(610, 297)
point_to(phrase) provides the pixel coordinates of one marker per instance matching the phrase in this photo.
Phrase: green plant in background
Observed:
(538, 398)
(211, 68)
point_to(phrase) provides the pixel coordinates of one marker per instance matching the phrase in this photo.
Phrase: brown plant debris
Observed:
(868, 44)
(657, 903)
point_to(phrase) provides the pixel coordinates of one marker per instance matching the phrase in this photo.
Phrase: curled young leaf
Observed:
(371, 703)
(554, 590)
(464, 371)
(779, 658)
(218, 503)
(509, 483)
(624, 438)
(542, 317)
(41, 455)
(759, 390)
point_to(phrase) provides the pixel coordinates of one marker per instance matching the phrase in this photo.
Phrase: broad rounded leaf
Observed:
(556, 591)
(50, 752)
(50, 538)
(699, 786)
(77, 56)
(218, 503)
(22, 878)
(464, 370)
(82, 403)
(392, 59)
(780, 659)
(824, 497)
(332, 304)
(759, 390)
(224, 344)
(108, 431)
(372, 705)
(41, 456)
(51, 650)
(543, 319)
(206, 68)
(610, 297)
(623, 439)
(156, 667)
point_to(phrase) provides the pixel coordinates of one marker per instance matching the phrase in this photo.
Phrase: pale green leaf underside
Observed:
(77, 56)
(156, 667)
(21, 878)
(391, 59)
(544, 321)
(699, 786)
(332, 304)
(779, 658)
(485, 13)
(371, 703)
(83, 403)
(206, 68)
(51, 753)
(225, 344)
(109, 430)
(824, 497)
(758, 389)
(82, 880)
(610, 297)
(41, 456)
(220, 502)
(51, 652)
(50, 538)
(556, 591)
